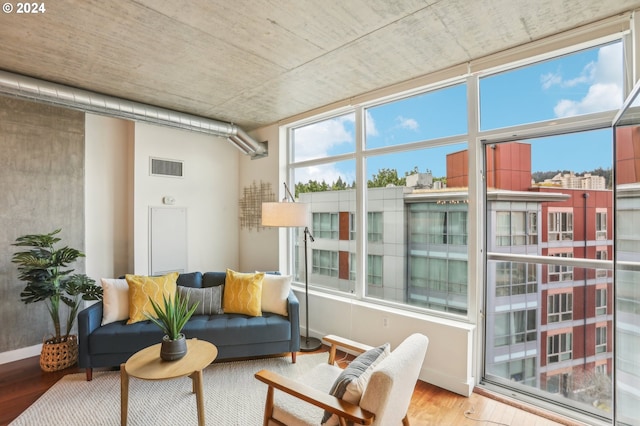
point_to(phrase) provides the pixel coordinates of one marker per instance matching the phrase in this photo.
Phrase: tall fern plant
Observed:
(42, 268)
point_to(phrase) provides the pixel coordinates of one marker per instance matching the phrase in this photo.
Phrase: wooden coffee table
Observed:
(147, 365)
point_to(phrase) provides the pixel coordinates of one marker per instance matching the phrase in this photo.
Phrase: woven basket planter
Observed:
(59, 355)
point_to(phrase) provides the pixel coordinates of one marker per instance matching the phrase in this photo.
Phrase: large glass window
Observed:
(546, 229)
(323, 139)
(328, 189)
(584, 82)
(431, 115)
(536, 212)
(627, 266)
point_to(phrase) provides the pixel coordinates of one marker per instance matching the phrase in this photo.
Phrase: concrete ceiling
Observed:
(255, 62)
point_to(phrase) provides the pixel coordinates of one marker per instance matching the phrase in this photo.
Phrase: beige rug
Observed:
(232, 396)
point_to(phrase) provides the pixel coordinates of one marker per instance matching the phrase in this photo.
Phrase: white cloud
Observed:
(550, 79)
(407, 123)
(604, 77)
(316, 140)
(599, 98)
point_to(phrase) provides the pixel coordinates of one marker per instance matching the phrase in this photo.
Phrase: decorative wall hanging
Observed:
(251, 204)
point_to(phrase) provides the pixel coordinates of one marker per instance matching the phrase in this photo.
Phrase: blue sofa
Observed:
(235, 335)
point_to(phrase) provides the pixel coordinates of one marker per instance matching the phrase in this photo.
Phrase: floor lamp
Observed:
(289, 214)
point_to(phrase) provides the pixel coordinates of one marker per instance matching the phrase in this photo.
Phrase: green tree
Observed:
(386, 177)
(412, 171)
(339, 185)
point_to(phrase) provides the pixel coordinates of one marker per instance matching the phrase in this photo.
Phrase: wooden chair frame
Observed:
(345, 411)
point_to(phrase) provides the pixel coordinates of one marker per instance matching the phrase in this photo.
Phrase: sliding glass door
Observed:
(627, 263)
(549, 317)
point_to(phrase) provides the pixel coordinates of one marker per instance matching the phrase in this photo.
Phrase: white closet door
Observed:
(168, 240)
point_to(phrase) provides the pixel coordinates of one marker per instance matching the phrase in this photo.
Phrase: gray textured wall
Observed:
(42, 189)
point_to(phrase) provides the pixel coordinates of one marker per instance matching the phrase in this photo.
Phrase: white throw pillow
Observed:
(115, 300)
(275, 292)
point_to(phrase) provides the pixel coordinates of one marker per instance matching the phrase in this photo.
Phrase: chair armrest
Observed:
(343, 409)
(340, 342)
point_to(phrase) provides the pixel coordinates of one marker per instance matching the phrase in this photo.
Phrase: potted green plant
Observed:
(42, 268)
(172, 316)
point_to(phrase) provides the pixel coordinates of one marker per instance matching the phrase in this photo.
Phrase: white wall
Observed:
(259, 248)
(209, 191)
(120, 192)
(108, 196)
(448, 363)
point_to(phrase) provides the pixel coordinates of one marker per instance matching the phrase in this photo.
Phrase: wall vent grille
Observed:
(170, 168)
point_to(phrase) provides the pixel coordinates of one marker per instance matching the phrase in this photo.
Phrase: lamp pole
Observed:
(293, 215)
(310, 343)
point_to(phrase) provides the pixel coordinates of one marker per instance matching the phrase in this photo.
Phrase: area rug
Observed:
(232, 396)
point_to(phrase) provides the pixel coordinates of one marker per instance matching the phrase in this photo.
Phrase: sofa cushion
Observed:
(191, 279)
(238, 329)
(122, 337)
(212, 279)
(353, 380)
(221, 330)
(275, 291)
(142, 287)
(115, 300)
(243, 293)
(209, 299)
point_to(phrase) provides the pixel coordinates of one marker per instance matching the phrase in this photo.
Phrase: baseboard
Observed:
(21, 353)
(447, 382)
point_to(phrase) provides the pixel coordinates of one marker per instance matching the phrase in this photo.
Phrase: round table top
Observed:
(147, 364)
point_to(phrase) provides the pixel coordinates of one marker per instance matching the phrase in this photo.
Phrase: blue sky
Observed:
(580, 83)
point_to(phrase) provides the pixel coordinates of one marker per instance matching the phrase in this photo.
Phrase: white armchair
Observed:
(384, 401)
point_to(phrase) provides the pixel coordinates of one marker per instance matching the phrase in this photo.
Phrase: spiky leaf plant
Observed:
(42, 268)
(173, 314)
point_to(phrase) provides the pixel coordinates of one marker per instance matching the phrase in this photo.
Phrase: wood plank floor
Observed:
(23, 382)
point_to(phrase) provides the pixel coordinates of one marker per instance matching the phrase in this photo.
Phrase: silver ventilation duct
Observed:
(70, 97)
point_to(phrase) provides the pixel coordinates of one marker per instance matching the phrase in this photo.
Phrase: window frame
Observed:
(600, 339)
(334, 225)
(560, 350)
(601, 225)
(601, 301)
(476, 142)
(564, 305)
(560, 225)
(333, 262)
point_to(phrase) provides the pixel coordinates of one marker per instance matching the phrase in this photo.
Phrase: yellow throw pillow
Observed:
(142, 287)
(243, 293)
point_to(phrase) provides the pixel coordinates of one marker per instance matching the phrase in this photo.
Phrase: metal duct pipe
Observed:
(70, 97)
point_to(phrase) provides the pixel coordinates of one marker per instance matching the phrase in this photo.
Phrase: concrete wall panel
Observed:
(41, 176)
